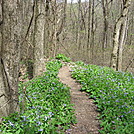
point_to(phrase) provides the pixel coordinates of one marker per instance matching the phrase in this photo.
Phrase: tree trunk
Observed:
(92, 32)
(118, 37)
(79, 25)
(89, 31)
(46, 29)
(10, 57)
(39, 38)
(121, 44)
(105, 29)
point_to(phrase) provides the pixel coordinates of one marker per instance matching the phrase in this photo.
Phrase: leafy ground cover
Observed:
(45, 106)
(63, 58)
(113, 93)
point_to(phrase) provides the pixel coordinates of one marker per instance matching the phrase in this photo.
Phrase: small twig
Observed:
(24, 91)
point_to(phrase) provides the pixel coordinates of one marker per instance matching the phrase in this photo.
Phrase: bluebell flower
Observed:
(117, 101)
(53, 88)
(64, 105)
(113, 122)
(40, 130)
(24, 118)
(53, 83)
(10, 123)
(129, 112)
(32, 107)
(50, 113)
(39, 123)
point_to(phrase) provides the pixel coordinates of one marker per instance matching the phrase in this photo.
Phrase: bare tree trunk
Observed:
(46, 32)
(105, 30)
(79, 25)
(51, 27)
(10, 57)
(54, 39)
(39, 38)
(131, 26)
(92, 32)
(61, 23)
(118, 37)
(89, 30)
(121, 44)
(105, 15)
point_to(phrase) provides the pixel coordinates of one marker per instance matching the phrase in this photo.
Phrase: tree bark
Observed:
(47, 28)
(39, 38)
(89, 31)
(92, 32)
(10, 57)
(105, 30)
(79, 25)
(121, 44)
(118, 37)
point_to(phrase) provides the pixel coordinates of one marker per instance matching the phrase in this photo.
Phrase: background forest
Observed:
(83, 30)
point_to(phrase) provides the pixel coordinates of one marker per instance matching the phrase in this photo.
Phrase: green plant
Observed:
(45, 109)
(63, 58)
(113, 93)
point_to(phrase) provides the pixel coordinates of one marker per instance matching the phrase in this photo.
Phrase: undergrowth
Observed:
(45, 106)
(113, 94)
(63, 58)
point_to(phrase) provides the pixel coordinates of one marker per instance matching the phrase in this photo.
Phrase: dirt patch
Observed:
(85, 109)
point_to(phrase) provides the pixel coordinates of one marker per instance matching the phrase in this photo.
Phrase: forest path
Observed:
(85, 109)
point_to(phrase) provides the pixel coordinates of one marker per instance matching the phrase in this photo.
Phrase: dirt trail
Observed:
(85, 110)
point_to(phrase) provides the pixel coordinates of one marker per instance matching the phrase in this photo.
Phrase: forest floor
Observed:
(85, 109)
